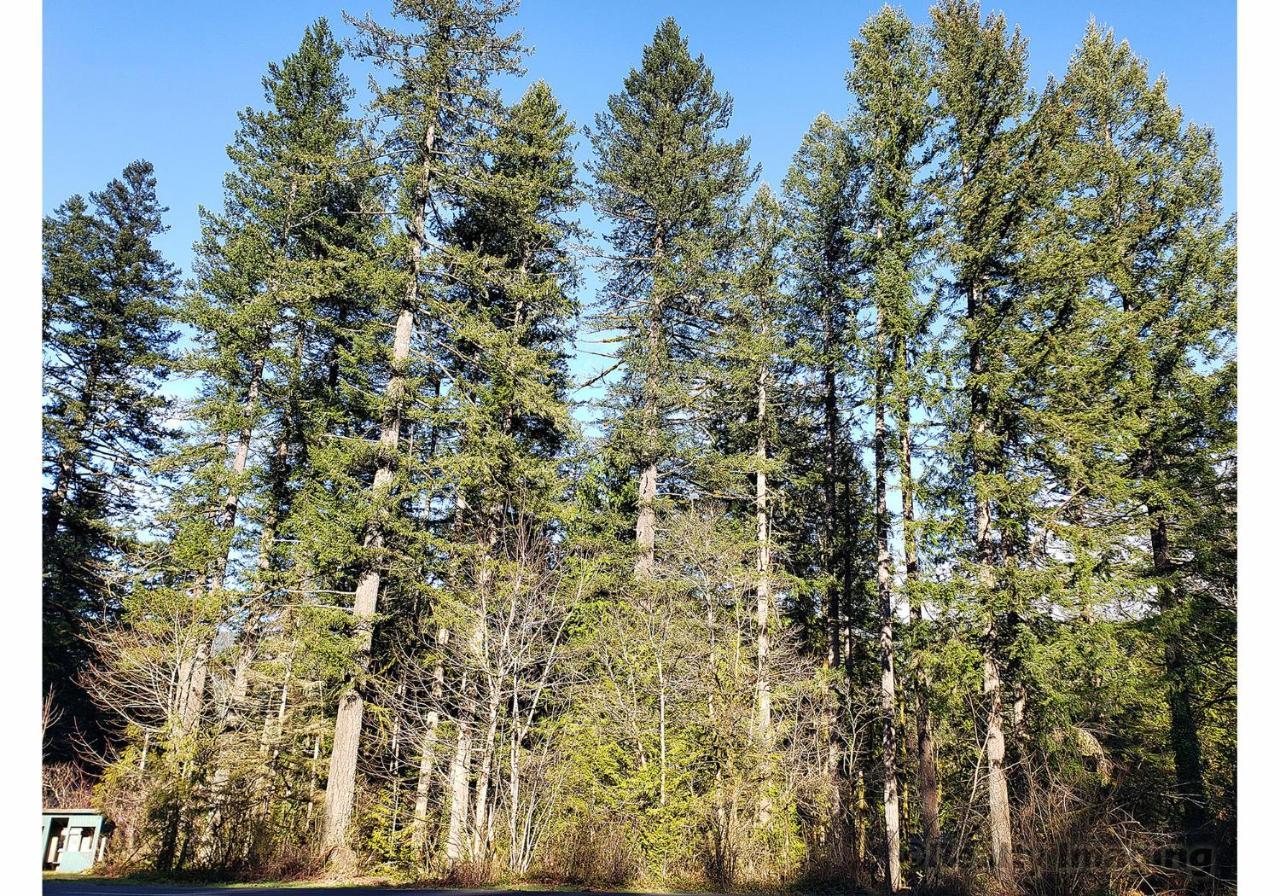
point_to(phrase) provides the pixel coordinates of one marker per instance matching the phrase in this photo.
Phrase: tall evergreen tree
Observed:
(438, 107)
(108, 297)
(276, 268)
(890, 82)
(983, 101)
(252, 305)
(506, 329)
(821, 194)
(1161, 255)
(752, 385)
(669, 186)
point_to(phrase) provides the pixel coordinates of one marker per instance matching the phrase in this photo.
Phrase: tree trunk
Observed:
(830, 478)
(69, 460)
(426, 766)
(647, 497)
(884, 589)
(193, 700)
(1184, 733)
(997, 782)
(764, 593)
(646, 518)
(479, 833)
(340, 790)
(926, 755)
(459, 793)
(662, 736)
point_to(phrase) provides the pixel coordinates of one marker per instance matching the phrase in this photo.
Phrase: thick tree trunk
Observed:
(459, 793)
(646, 516)
(647, 495)
(997, 780)
(888, 685)
(340, 790)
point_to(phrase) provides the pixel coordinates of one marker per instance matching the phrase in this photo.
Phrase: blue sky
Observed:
(163, 80)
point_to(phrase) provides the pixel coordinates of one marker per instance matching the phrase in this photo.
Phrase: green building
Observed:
(73, 839)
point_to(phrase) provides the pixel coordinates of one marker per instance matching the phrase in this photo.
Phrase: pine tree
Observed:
(821, 193)
(981, 83)
(108, 298)
(890, 82)
(669, 186)
(439, 106)
(506, 325)
(751, 386)
(1148, 203)
(273, 270)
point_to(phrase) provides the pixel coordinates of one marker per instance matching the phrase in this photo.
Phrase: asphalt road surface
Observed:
(90, 888)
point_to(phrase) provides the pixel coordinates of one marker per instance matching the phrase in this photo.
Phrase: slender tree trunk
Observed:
(193, 700)
(830, 481)
(832, 553)
(479, 833)
(884, 589)
(764, 593)
(992, 686)
(930, 797)
(662, 736)
(427, 763)
(860, 811)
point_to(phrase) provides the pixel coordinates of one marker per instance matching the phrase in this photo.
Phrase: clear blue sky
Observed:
(163, 80)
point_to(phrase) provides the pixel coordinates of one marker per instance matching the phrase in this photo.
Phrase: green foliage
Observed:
(1014, 308)
(107, 303)
(669, 186)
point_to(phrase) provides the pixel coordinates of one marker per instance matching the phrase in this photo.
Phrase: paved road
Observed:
(89, 888)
